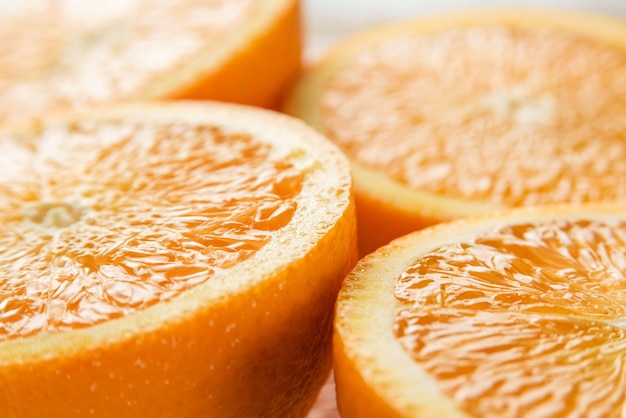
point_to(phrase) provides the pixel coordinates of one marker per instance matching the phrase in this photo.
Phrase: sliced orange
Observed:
(74, 54)
(519, 313)
(461, 113)
(169, 260)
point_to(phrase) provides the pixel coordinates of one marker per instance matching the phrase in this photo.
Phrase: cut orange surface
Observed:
(461, 113)
(61, 54)
(169, 260)
(515, 314)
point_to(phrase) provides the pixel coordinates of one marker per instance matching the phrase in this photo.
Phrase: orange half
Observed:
(69, 54)
(512, 314)
(169, 260)
(461, 113)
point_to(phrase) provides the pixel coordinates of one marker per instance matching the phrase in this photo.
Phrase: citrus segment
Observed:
(168, 254)
(565, 268)
(472, 139)
(514, 314)
(86, 54)
(165, 232)
(462, 113)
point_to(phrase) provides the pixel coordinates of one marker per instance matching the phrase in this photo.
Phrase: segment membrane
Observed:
(104, 219)
(523, 320)
(497, 114)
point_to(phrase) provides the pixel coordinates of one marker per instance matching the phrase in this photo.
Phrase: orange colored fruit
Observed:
(462, 113)
(518, 313)
(169, 260)
(60, 54)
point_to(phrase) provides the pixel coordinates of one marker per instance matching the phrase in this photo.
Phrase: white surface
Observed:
(329, 20)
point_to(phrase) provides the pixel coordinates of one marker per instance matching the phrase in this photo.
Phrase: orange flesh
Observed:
(80, 53)
(469, 112)
(100, 220)
(525, 320)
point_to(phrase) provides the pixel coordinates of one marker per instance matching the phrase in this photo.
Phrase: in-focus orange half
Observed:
(60, 54)
(465, 112)
(169, 260)
(517, 314)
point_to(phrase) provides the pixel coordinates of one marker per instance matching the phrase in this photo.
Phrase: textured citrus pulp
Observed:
(62, 53)
(169, 260)
(462, 113)
(515, 314)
